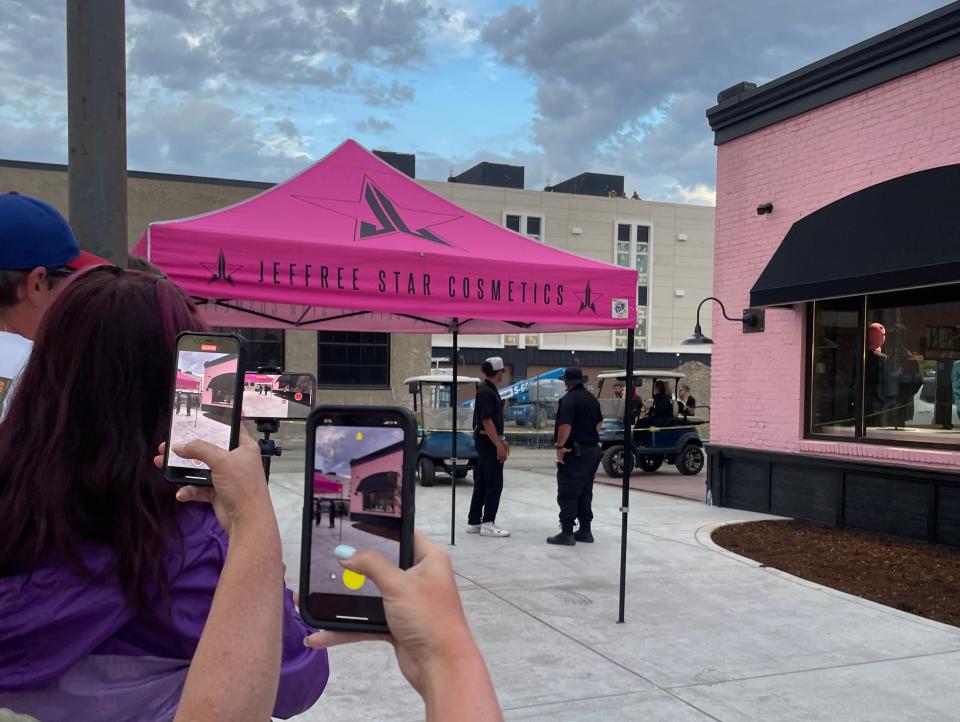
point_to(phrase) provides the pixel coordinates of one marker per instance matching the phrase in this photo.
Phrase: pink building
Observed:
(838, 224)
(219, 382)
(375, 484)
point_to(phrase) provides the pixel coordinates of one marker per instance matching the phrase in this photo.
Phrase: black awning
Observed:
(381, 481)
(902, 233)
(223, 381)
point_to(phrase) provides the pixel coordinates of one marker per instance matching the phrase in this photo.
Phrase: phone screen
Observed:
(358, 499)
(204, 400)
(278, 396)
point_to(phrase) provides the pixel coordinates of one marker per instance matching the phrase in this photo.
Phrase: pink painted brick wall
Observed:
(800, 165)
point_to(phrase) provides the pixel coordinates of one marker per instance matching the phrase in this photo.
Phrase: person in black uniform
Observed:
(492, 451)
(576, 435)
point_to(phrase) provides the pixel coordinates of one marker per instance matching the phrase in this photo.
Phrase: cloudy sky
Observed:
(257, 89)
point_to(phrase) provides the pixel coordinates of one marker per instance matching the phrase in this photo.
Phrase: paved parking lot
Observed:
(708, 636)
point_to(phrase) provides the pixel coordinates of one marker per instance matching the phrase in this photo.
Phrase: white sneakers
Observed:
(491, 529)
(486, 529)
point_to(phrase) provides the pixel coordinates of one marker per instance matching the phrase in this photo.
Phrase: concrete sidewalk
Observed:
(708, 635)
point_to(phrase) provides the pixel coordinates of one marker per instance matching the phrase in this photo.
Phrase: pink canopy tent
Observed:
(351, 243)
(185, 382)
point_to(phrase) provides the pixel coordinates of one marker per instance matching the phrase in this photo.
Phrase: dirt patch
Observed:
(919, 578)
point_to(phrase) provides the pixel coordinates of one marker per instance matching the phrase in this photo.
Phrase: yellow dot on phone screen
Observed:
(352, 580)
(359, 436)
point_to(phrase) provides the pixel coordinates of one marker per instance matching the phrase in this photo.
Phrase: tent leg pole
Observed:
(627, 468)
(453, 406)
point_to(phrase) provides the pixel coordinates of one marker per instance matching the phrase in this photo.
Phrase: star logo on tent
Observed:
(376, 214)
(221, 270)
(588, 299)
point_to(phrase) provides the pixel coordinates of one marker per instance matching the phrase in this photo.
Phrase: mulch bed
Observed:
(919, 578)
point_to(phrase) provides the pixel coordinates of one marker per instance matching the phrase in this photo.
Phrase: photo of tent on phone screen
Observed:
(359, 498)
(205, 400)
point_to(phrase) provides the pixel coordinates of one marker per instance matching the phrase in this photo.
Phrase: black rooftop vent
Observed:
(406, 163)
(499, 175)
(590, 184)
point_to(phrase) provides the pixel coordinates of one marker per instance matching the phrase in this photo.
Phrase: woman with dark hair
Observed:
(105, 582)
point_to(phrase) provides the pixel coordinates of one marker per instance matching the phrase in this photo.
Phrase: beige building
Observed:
(671, 245)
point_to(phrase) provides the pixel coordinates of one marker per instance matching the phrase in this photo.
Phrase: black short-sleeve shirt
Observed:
(488, 405)
(581, 410)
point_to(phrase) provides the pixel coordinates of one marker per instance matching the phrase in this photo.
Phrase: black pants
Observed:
(575, 487)
(487, 484)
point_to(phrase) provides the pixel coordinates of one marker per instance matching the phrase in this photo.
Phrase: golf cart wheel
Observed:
(690, 460)
(428, 472)
(650, 463)
(613, 461)
(540, 419)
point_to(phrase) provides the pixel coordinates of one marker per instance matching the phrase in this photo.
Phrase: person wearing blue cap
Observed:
(37, 250)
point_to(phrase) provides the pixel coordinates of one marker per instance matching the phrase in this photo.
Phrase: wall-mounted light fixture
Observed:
(765, 208)
(752, 321)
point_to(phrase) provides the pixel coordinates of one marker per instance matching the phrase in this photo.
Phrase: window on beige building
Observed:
(632, 250)
(528, 224)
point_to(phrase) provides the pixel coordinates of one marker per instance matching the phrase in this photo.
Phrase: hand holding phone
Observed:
(359, 493)
(205, 405)
(239, 485)
(429, 632)
(422, 605)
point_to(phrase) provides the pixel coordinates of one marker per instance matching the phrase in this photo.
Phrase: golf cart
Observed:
(676, 443)
(431, 406)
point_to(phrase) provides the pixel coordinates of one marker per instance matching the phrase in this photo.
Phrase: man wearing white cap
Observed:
(492, 451)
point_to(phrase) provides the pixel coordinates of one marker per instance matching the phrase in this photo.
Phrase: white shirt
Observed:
(14, 352)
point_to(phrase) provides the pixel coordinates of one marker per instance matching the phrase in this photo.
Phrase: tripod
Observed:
(268, 447)
(267, 426)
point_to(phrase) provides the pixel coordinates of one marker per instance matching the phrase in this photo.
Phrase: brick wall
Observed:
(801, 165)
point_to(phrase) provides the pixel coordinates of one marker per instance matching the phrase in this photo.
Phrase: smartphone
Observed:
(207, 393)
(359, 491)
(278, 395)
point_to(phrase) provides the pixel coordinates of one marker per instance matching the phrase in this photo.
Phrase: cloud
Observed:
(622, 86)
(287, 128)
(383, 95)
(319, 43)
(221, 141)
(373, 125)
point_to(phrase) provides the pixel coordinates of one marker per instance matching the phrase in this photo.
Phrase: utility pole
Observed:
(97, 119)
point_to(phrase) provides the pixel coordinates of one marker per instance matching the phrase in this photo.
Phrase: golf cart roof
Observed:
(641, 373)
(445, 379)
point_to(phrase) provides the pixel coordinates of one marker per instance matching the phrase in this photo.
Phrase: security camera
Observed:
(765, 208)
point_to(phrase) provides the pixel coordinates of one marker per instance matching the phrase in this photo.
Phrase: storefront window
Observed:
(837, 341)
(886, 368)
(910, 383)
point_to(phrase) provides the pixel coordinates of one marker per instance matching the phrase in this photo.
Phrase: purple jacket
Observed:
(70, 647)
